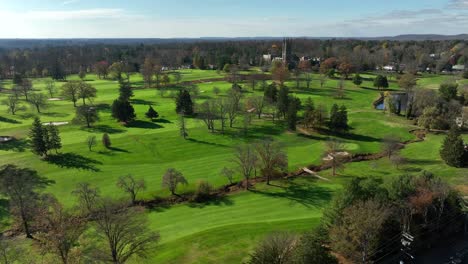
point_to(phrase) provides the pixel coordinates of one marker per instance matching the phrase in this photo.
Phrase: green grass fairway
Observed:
(223, 231)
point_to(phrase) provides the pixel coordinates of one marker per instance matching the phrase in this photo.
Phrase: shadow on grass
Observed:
(306, 195)
(103, 107)
(378, 90)
(55, 114)
(119, 150)
(313, 137)
(4, 212)
(422, 162)
(206, 143)
(143, 124)
(104, 129)
(412, 169)
(111, 151)
(73, 161)
(348, 135)
(27, 116)
(142, 102)
(162, 121)
(223, 200)
(9, 120)
(17, 145)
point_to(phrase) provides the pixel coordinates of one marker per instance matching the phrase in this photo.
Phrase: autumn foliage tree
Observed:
(346, 68)
(280, 73)
(357, 233)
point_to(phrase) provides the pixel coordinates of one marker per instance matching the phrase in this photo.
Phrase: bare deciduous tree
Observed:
(131, 186)
(272, 158)
(125, 232)
(222, 109)
(333, 155)
(87, 197)
(390, 145)
(26, 87)
(356, 234)
(38, 100)
(257, 103)
(246, 160)
(207, 112)
(70, 91)
(278, 248)
(228, 173)
(12, 104)
(21, 186)
(50, 86)
(61, 233)
(172, 178)
(91, 142)
(233, 105)
(11, 251)
(323, 79)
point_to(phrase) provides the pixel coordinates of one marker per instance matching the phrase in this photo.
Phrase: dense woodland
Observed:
(363, 55)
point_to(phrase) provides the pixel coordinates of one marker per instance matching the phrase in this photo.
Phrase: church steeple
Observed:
(287, 51)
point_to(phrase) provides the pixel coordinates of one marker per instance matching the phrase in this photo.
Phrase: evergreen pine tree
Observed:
(381, 82)
(357, 80)
(453, 151)
(47, 141)
(293, 108)
(183, 127)
(334, 122)
(309, 109)
(106, 141)
(57, 71)
(343, 119)
(271, 93)
(123, 111)
(55, 141)
(38, 143)
(125, 90)
(283, 101)
(184, 104)
(151, 114)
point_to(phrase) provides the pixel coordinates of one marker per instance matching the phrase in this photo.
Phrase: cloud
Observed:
(54, 15)
(76, 14)
(423, 21)
(458, 4)
(69, 2)
(116, 22)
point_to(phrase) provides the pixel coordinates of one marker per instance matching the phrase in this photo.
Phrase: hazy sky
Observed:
(233, 18)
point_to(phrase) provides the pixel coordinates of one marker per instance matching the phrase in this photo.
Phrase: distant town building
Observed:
(287, 51)
(286, 55)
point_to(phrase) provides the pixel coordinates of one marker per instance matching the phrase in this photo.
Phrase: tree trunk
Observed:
(26, 226)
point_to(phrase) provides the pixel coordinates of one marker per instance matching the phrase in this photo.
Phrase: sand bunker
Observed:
(55, 123)
(337, 154)
(55, 99)
(5, 139)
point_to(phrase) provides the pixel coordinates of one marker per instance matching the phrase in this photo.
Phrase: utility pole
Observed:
(406, 241)
(464, 205)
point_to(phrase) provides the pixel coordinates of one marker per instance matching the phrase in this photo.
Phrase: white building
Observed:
(458, 67)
